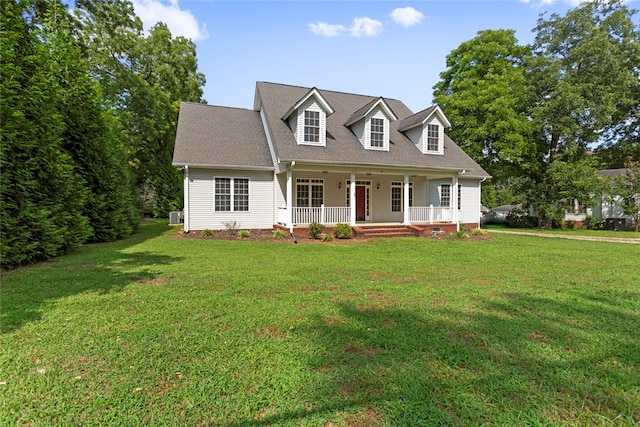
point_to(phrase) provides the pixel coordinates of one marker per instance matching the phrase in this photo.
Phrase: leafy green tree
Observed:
(144, 79)
(484, 94)
(42, 197)
(519, 110)
(623, 140)
(582, 80)
(167, 75)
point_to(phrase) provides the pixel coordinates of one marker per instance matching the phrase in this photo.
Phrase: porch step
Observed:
(384, 231)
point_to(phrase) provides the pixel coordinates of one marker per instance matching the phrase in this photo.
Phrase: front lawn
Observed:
(158, 330)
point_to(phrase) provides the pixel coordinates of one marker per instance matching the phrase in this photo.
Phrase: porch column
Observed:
(454, 201)
(289, 200)
(352, 200)
(406, 200)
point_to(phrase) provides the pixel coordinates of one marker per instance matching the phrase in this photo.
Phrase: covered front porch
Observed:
(332, 215)
(364, 197)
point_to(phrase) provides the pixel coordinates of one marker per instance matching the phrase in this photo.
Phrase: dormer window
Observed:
(312, 126)
(307, 119)
(377, 132)
(433, 137)
(370, 124)
(426, 130)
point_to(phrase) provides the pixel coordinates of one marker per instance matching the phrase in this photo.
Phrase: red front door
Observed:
(361, 211)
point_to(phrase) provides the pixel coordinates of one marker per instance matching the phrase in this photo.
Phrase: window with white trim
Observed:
(231, 194)
(459, 196)
(397, 196)
(311, 126)
(433, 137)
(377, 132)
(309, 192)
(445, 195)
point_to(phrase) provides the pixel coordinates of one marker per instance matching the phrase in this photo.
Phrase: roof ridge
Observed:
(332, 91)
(216, 106)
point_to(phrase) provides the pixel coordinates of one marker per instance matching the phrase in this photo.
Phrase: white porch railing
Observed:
(430, 214)
(321, 215)
(335, 215)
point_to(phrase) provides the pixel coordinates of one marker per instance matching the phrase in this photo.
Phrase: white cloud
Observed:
(407, 16)
(180, 22)
(366, 27)
(326, 30)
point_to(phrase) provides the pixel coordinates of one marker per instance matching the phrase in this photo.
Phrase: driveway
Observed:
(577, 237)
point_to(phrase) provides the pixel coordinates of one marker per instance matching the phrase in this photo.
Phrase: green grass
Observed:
(158, 330)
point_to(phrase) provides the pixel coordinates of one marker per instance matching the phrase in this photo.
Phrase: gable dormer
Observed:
(371, 124)
(307, 118)
(426, 130)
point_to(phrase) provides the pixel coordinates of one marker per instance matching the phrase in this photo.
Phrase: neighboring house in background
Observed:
(305, 155)
(606, 206)
(498, 215)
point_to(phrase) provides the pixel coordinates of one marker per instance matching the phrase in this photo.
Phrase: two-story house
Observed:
(305, 155)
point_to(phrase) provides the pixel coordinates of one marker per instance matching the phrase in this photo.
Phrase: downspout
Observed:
(290, 196)
(454, 201)
(405, 199)
(480, 201)
(187, 225)
(352, 200)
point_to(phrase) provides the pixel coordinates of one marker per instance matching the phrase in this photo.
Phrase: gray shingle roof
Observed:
(415, 119)
(611, 173)
(362, 112)
(220, 136)
(342, 145)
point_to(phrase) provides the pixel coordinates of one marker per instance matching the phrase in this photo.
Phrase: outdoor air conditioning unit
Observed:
(615, 224)
(176, 217)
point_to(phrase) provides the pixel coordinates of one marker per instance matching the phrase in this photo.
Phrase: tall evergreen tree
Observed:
(42, 197)
(99, 158)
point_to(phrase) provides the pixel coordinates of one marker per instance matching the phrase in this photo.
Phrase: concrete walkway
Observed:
(576, 237)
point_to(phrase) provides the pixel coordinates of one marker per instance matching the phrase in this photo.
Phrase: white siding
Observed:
(469, 212)
(358, 129)
(201, 200)
(416, 135)
(433, 191)
(609, 207)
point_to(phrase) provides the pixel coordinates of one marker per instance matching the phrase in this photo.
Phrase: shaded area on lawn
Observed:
(90, 269)
(394, 366)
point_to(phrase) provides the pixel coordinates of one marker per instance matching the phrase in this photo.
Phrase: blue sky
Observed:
(395, 49)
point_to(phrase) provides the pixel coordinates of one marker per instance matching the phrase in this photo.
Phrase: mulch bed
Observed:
(266, 235)
(258, 235)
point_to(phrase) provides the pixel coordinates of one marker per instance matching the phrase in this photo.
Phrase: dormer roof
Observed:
(361, 113)
(342, 147)
(313, 92)
(422, 117)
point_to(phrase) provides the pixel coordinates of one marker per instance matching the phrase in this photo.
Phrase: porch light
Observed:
(378, 186)
(339, 185)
